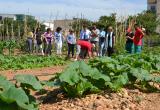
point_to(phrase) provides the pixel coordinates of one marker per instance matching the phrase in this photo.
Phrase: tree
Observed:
(148, 20)
(105, 21)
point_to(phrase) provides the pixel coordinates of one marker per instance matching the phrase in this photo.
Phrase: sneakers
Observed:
(75, 59)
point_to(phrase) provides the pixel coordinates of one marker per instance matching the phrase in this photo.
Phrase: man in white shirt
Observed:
(85, 34)
(95, 38)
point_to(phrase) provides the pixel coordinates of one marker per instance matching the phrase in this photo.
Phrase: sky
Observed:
(61, 9)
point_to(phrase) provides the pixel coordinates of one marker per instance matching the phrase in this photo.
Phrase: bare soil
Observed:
(55, 99)
(44, 73)
(126, 100)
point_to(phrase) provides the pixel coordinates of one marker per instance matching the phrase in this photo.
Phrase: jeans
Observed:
(102, 49)
(70, 49)
(29, 43)
(48, 49)
(130, 47)
(138, 49)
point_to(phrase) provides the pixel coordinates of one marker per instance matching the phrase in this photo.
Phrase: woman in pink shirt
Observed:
(48, 39)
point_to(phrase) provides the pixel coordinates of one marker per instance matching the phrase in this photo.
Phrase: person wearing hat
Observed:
(29, 42)
(129, 41)
(71, 40)
(144, 31)
(110, 41)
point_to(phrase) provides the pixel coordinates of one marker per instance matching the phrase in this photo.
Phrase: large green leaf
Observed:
(95, 74)
(119, 82)
(16, 95)
(5, 106)
(5, 84)
(70, 77)
(141, 74)
(83, 86)
(29, 81)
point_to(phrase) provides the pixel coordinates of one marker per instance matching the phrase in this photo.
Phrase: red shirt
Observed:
(85, 44)
(138, 37)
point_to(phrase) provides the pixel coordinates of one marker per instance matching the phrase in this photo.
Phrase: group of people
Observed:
(92, 42)
(42, 42)
(134, 40)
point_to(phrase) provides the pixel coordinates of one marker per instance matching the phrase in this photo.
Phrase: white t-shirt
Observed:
(85, 35)
(95, 38)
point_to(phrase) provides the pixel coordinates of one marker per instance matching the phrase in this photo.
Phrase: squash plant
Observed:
(15, 97)
(79, 78)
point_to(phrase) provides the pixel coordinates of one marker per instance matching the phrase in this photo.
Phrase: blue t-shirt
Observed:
(58, 37)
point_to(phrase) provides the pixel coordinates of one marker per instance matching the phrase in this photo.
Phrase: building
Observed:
(11, 16)
(65, 24)
(154, 5)
(49, 25)
(19, 17)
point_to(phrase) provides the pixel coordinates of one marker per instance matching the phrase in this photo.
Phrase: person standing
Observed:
(85, 34)
(144, 31)
(71, 40)
(102, 39)
(48, 39)
(39, 41)
(129, 41)
(29, 42)
(58, 40)
(110, 41)
(95, 39)
(137, 39)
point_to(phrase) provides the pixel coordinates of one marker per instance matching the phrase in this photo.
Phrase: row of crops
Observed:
(111, 73)
(81, 78)
(28, 61)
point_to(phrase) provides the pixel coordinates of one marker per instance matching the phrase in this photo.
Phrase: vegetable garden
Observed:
(81, 85)
(140, 71)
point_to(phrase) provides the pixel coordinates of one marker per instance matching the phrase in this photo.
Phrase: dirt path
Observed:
(43, 73)
(126, 100)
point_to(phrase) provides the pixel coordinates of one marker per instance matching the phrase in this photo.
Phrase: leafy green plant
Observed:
(1, 47)
(80, 78)
(108, 73)
(28, 82)
(128, 69)
(13, 97)
(10, 45)
(28, 61)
